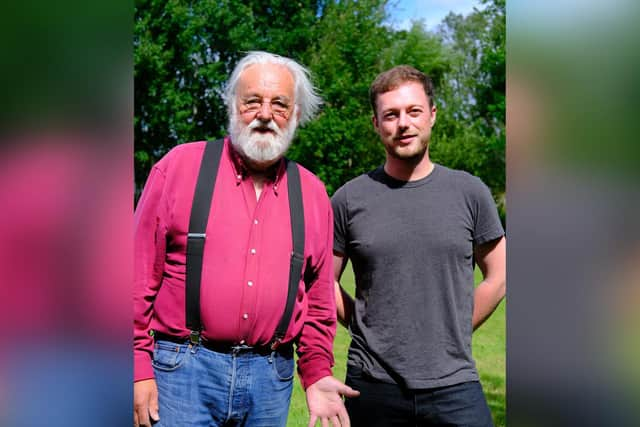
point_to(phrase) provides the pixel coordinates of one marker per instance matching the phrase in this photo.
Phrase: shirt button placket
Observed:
(250, 296)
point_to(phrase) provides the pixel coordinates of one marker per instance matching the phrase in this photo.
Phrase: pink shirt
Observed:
(246, 261)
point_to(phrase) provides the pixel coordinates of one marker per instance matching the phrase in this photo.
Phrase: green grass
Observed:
(488, 350)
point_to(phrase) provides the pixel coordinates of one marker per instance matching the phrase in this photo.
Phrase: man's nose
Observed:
(403, 120)
(265, 113)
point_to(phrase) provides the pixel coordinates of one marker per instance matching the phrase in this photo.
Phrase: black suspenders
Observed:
(196, 239)
(197, 228)
(296, 211)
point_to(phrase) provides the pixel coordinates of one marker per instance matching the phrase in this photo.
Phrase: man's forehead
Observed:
(405, 92)
(274, 78)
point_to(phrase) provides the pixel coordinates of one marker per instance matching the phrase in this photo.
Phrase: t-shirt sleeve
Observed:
(339, 204)
(487, 225)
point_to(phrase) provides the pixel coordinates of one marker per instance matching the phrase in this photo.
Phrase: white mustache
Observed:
(271, 125)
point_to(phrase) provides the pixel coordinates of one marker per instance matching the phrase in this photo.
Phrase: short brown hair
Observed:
(394, 78)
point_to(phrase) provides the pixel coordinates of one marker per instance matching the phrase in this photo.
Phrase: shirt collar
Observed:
(274, 173)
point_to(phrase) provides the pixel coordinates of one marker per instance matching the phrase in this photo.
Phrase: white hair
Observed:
(306, 98)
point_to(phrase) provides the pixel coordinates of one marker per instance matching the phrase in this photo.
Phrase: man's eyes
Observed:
(415, 112)
(255, 104)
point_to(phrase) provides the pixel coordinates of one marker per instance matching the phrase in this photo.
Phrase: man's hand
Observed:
(145, 403)
(324, 399)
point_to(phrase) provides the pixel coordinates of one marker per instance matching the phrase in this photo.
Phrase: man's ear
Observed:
(433, 115)
(374, 120)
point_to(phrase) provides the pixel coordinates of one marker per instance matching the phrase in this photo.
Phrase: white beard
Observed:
(261, 147)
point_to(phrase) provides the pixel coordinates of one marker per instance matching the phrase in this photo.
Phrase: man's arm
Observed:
(324, 397)
(491, 258)
(323, 391)
(149, 253)
(344, 302)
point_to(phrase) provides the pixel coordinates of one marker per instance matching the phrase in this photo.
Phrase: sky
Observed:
(431, 11)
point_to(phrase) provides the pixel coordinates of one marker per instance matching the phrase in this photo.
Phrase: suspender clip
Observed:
(276, 343)
(194, 337)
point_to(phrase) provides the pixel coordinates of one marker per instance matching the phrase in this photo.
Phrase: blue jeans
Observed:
(199, 387)
(389, 405)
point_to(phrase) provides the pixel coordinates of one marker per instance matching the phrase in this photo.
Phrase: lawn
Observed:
(488, 350)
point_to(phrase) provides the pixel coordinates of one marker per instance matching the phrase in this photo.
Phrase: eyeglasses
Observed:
(252, 105)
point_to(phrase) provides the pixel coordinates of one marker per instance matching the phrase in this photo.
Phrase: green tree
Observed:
(470, 132)
(340, 144)
(419, 48)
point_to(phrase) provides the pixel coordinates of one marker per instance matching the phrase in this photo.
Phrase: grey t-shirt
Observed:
(411, 247)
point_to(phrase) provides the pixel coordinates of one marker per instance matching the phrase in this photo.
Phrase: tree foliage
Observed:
(470, 131)
(340, 144)
(186, 50)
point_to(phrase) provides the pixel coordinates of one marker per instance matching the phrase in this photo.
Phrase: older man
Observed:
(231, 368)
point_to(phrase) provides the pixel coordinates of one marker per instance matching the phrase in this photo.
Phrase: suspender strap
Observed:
(296, 210)
(197, 229)
(197, 232)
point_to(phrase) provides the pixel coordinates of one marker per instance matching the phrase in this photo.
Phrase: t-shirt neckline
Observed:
(397, 183)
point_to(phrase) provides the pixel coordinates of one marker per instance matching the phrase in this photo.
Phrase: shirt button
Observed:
(255, 221)
(253, 251)
(250, 283)
(245, 316)
(242, 342)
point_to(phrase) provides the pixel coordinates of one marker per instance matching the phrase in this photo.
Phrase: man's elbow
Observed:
(496, 287)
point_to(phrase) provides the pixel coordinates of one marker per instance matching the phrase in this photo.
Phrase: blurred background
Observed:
(573, 203)
(66, 138)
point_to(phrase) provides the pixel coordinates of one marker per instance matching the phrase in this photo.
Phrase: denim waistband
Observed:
(222, 346)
